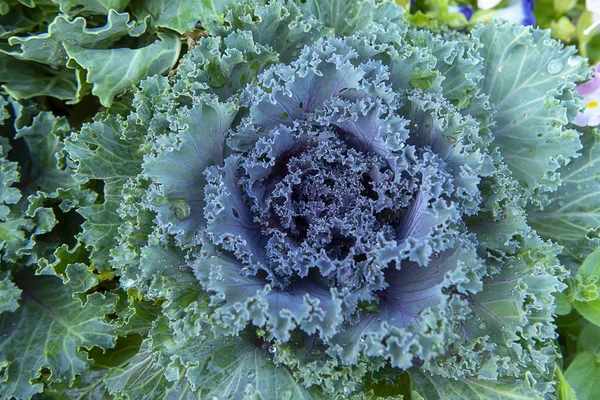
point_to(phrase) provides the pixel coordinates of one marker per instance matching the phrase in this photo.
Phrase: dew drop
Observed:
(555, 66)
(127, 282)
(272, 349)
(574, 61)
(482, 325)
(285, 395)
(248, 389)
(181, 210)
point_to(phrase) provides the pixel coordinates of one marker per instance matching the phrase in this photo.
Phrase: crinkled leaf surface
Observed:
(105, 150)
(180, 15)
(436, 388)
(49, 329)
(572, 218)
(529, 79)
(9, 295)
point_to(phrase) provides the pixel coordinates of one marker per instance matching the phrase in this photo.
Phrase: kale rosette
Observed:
(338, 206)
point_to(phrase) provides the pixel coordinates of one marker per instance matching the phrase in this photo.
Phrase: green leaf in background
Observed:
(589, 339)
(49, 331)
(573, 216)
(563, 6)
(564, 391)
(112, 71)
(587, 299)
(563, 29)
(583, 376)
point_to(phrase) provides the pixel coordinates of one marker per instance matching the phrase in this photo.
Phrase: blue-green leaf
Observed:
(112, 71)
(529, 79)
(572, 218)
(49, 331)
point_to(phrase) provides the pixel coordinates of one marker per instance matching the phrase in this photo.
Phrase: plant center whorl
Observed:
(324, 205)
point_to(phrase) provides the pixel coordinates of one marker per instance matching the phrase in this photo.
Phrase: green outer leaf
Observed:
(180, 15)
(573, 216)
(92, 6)
(435, 387)
(564, 391)
(47, 171)
(108, 150)
(47, 48)
(112, 71)
(529, 78)
(24, 80)
(49, 330)
(91, 385)
(582, 375)
(143, 377)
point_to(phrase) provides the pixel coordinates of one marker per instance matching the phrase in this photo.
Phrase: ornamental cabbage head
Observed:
(332, 203)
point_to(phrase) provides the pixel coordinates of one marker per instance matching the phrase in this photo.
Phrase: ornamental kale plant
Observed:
(320, 201)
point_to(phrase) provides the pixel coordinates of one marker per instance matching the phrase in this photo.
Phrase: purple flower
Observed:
(590, 91)
(518, 11)
(467, 11)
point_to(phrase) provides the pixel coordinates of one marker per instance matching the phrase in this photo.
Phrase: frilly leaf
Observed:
(181, 15)
(572, 218)
(529, 79)
(347, 17)
(9, 295)
(179, 165)
(106, 150)
(49, 330)
(413, 318)
(436, 388)
(142, 376)
(91, 6)
(47, 48)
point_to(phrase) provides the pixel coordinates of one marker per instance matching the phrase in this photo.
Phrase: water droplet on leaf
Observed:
(181, 210)
(574, 61)
(555, 66)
